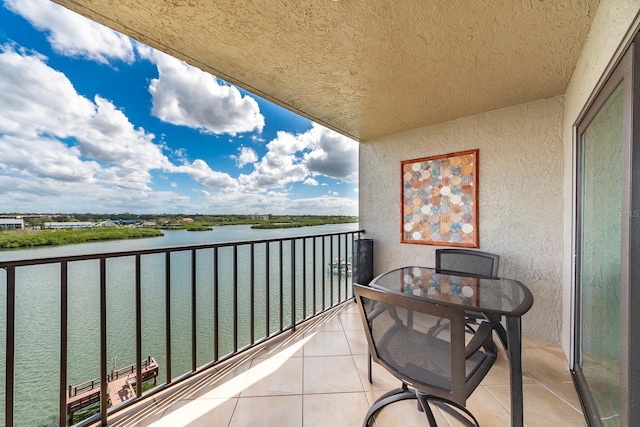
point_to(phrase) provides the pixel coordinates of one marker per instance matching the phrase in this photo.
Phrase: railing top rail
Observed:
(161, 250)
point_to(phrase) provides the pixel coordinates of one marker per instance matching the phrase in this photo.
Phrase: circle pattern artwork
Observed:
(439, 200)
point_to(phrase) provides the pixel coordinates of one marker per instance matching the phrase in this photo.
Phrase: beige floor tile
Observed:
(197, 413)
(326, 344)
(567, 392)
(286, 348)
(332, 374)
(546, 364)
(332, 325)
(499, 372)
(382, 379)
(351, 321)
(541, 407)
(228, 385)
(271, 411)
(273, 377)
(528, 342)
(334, 410)
(352, 308)
(357, 342)
(486, 408)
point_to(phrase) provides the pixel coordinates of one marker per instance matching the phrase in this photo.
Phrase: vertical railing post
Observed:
(10, 349)
(252, 296)
(138, 267)
(63, 414)
(304, 278)
(280, 266)
(331, 270)
(268, 290)
(216, 306)
(315, 272)
(293, 283)
(194, 317)
(235, 298)
(167, 312)
(324, 274)
(340, 269)
(103, 341)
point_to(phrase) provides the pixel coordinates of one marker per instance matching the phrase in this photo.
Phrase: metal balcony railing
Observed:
(186, 307)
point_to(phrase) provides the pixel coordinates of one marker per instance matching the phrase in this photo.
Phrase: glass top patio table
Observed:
(497, 296)
(497, 299)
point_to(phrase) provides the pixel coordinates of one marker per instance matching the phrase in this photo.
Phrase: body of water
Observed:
(38, 305)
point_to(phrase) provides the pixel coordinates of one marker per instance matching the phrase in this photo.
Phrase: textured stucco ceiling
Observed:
(368, 68)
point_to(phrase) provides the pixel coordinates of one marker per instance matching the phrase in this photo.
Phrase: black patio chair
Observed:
(470, 262)
(436, 368)
(476, 264)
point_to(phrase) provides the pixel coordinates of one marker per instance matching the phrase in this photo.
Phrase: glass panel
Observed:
(601, 219)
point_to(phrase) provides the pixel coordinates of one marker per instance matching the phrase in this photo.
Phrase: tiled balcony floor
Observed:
(318, 378)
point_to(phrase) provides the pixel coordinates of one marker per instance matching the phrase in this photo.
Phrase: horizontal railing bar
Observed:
(120, 254)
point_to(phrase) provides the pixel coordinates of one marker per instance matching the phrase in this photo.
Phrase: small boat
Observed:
(340, 266)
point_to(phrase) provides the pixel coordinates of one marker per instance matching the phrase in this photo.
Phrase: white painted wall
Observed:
(520, 200)
(610, 24)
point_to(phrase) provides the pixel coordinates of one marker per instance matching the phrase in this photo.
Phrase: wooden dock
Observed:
(120, 387)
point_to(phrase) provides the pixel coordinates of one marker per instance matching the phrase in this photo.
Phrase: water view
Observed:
(38, 303)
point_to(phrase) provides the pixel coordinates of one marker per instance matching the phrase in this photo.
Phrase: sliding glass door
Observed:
(606, 222)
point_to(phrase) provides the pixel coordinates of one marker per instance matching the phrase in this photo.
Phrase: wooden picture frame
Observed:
(439, 200)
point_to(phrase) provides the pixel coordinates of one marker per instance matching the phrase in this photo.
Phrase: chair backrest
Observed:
(406, 336)
(470, 262)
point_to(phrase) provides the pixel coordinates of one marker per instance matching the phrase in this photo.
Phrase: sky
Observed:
(94, 121)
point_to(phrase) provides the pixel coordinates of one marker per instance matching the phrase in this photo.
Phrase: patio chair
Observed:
(471, 263)
(467, 261)
(432, 368)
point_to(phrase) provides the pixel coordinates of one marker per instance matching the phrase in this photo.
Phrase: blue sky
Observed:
(93, 121)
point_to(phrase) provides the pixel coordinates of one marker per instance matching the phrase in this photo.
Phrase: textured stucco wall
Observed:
(610, 24)
(520, 200)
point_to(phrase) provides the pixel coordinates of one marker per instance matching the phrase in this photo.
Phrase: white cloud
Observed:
(310, 181)
(186, 96)
(39, 104)
(200, 172)
(278, 203)
(294, 158)
(45, 158)
(73, 35)
(51, 195)
(246, 156)
(333, 154)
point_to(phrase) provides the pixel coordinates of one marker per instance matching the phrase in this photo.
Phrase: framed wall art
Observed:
(440, 200)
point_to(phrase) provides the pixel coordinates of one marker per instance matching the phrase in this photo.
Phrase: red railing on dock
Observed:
(120, 388)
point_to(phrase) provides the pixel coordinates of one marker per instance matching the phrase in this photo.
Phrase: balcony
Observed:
(317, 376)
(250, 333)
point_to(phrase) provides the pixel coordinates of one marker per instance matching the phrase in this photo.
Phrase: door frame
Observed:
(625, 69)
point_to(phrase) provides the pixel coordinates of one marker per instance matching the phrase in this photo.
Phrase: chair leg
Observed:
(370, 374)
(423, 403)
(388, 398)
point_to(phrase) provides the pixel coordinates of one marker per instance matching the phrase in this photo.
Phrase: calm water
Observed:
(38, 307)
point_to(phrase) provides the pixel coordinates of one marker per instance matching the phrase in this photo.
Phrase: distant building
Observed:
(11, 223)
(187, 219)
(260, 217)
(74, 225)
(107, 223)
